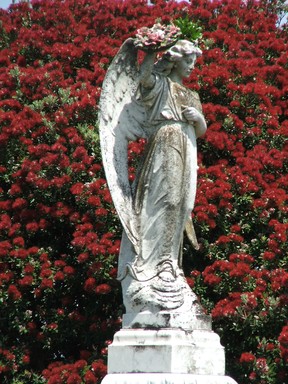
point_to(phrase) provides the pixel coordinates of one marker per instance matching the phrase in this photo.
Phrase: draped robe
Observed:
(165, 186)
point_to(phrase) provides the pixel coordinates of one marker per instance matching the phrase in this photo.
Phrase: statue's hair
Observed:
(181, 49)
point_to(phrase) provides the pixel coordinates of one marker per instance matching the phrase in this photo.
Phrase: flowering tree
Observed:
(59, 235)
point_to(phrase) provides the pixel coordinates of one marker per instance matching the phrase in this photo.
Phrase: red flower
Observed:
(68, 270)
(59, 276)
(19, 241)
(46, 283)
(26, 281)
(240, 270)
(268, 255)
(26, 359)
(78, 167)
(103, 289)
(19, 203)
(212, 280)
(94, 201)
(90, 284)
(247, 358)
(74, 378)
(32, 227)
(83, 257)
(28, 268)
(60, 263)
(262, 366)
(46, 273)
(80, 364)
(99, 368)
(283, 338)
(90, 378)
(190, 282)
(77, 189)
(14, 293)
(19, 253)
(101, 212)
(52, 326)
(15, 189)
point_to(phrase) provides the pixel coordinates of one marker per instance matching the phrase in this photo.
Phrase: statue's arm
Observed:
(199, 124)
(147, 78)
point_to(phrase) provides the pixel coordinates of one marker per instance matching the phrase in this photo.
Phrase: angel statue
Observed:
(149, 101)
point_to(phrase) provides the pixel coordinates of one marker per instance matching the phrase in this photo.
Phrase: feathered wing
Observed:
(190, 232)
(120, 120)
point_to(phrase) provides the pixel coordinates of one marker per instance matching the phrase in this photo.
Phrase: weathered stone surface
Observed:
(166, 351)
(165, 378)
(166, 336)
(187, 321)
(150, 101)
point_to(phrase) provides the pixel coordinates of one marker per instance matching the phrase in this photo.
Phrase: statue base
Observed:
(165, 378)
(166, 351)
(166, 348)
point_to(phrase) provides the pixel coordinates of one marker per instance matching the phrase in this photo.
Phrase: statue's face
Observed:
(184, 67)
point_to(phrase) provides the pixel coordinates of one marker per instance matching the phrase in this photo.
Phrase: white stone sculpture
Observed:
(165, 337)
(150, 101)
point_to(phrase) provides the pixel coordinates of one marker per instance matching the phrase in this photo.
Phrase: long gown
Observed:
(165, 187)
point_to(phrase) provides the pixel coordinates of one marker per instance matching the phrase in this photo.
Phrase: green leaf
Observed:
(189, 29)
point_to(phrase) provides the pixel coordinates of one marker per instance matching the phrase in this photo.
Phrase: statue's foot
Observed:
(167, 273)
(164, 292)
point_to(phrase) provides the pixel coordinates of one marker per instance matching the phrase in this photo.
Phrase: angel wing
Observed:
(121, 119)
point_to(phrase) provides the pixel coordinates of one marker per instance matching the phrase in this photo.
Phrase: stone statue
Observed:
(150, 101)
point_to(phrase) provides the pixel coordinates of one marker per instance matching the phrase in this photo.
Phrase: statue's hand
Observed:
(195, 118)
(192, 114)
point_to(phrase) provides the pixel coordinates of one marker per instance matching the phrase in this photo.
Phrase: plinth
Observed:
(166, 348)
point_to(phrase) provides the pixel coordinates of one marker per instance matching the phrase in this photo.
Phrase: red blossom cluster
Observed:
(283, 340)
(59, 234)
(75, 373)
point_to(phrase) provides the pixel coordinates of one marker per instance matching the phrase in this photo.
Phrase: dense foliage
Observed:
(60, 303)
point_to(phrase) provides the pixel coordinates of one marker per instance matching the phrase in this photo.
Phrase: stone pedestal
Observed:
(165, 378)
(166, 348)
(166, 351)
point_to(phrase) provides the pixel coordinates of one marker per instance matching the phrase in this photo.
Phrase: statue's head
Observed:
(182, 49)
